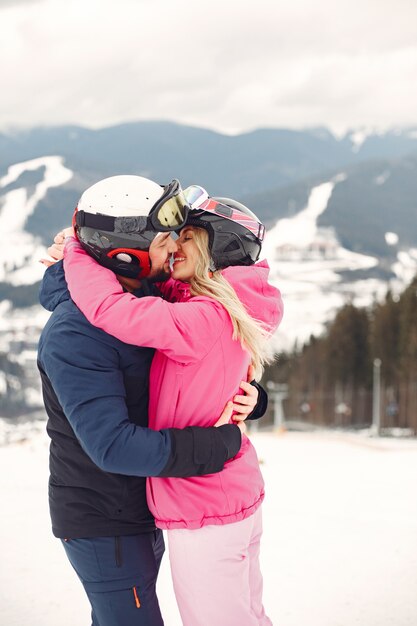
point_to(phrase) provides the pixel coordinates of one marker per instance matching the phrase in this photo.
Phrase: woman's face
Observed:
(186, 256)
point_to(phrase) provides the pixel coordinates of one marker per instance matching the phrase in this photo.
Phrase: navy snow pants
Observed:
(119, 576)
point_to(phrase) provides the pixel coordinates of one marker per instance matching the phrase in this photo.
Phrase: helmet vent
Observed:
(233, 245)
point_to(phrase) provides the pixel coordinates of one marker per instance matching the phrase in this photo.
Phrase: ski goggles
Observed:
(195, 196)
(169, 213)
(199, 200)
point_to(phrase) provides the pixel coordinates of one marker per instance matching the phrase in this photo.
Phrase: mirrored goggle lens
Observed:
(195, 196)
(173, 213)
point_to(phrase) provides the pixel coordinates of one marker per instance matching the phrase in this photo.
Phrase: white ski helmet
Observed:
(117, 219)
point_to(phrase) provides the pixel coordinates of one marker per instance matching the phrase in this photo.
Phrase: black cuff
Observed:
(262, 405)
(197, 451)
(232, 437)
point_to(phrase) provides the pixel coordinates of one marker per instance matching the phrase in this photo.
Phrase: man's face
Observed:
(159, 253)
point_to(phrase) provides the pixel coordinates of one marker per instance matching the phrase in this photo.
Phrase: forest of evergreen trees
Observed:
(330, 379)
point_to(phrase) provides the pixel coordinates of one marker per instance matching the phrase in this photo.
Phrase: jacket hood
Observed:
(261, 299)
(53, 289)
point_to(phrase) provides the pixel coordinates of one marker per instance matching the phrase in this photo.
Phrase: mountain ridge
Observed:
(341, 214)
(227, 164)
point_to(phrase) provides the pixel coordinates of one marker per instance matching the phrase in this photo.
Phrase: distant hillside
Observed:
(376, 188)
(374, 198)
(228, 165)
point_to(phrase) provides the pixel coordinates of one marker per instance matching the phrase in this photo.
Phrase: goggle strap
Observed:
(234, 215)
(134, 224)
(98, 222)
(123, 225)
(110, 224)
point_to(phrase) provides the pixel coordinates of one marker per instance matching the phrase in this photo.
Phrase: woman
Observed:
(218, 323)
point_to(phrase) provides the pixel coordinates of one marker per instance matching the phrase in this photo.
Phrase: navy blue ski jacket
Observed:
(95, 392)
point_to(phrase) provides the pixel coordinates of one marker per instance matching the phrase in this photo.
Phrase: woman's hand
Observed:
(226, 416)
(56, 251)
(242, 405)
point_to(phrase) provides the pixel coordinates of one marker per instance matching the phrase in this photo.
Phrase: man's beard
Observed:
(160, 277)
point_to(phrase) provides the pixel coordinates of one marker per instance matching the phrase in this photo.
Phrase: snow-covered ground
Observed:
(339, 548)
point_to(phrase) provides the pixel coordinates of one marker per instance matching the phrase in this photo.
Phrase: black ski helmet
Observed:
(117, 219)
(235, 233)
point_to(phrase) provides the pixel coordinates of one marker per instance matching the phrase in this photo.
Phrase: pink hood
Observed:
(262, 300)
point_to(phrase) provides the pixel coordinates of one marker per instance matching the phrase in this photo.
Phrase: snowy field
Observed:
(339, 549)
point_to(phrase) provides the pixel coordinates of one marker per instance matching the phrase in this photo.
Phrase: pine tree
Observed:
(347, 347)
(385, 338)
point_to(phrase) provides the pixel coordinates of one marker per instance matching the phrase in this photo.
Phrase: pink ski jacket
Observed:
(196, 369)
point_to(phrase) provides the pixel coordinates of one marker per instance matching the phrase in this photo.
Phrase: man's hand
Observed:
(56, 251)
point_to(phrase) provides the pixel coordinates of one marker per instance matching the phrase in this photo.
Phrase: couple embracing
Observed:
(151, 337)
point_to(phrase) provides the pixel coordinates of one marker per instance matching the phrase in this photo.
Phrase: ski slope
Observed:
(306, 263)
(20, 251)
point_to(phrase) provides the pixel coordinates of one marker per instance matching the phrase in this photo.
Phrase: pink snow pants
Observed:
(216, 574)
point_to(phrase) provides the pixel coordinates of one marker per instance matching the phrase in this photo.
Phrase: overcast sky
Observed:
(228, 65)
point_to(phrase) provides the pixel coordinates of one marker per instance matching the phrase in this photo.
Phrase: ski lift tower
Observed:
(278, 392)
(376, 398)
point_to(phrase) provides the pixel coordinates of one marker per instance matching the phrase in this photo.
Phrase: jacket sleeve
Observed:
(89, 386)
(174, 290)
(53, 286)
(262, 404)
(185, 332)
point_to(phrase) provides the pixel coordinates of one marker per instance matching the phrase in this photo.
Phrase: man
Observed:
(96, 392)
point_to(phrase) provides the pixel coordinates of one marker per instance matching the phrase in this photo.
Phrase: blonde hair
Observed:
(251, 334)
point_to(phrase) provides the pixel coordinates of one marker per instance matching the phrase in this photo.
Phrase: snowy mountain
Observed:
(344, 238)
(20, 251)
(318, 274)
(19, 201)
(342, 230)
(227, 165)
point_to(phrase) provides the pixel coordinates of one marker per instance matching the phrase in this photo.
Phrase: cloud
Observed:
(13, 3)
(225, 65)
